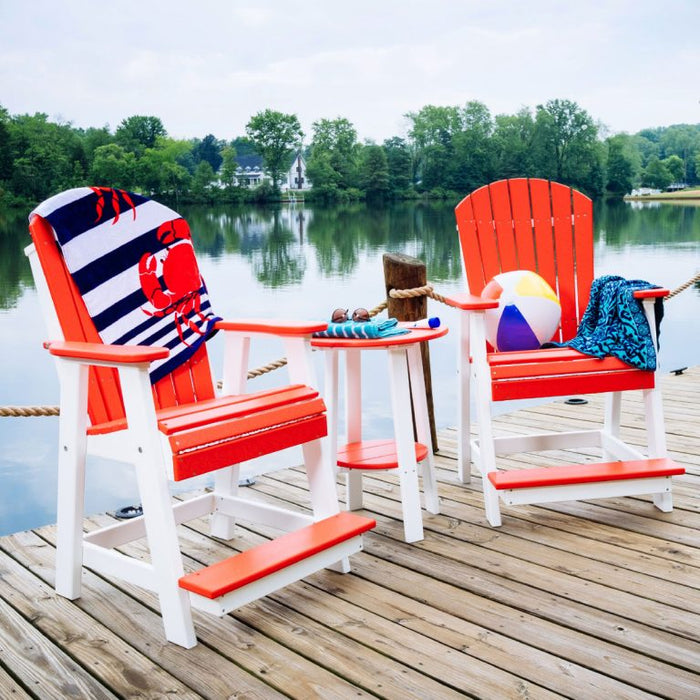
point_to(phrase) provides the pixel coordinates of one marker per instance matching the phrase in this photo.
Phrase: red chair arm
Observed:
(651, 293)
(470, 302)
(99, 352)
(272, 326)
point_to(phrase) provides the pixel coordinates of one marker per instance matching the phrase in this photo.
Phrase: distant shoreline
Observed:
(673, 196)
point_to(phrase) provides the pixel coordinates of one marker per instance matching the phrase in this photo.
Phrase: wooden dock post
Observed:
(406, 272)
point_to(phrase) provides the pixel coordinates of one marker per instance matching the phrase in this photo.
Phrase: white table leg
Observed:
(420, 409)
(405, 445)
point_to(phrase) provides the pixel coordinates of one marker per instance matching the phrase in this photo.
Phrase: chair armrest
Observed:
(654, 293)
(99, 353)
(271, 326)
(470, 302)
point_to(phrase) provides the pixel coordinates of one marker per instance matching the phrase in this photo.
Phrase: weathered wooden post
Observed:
(405, 272)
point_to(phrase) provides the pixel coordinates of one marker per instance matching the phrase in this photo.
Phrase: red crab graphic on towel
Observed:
(170, 278)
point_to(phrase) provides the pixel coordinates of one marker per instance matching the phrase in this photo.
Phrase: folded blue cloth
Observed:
(362, 329)
(614, 323)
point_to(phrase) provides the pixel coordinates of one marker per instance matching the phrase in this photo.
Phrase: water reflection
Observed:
(300, 262)
(15, 274)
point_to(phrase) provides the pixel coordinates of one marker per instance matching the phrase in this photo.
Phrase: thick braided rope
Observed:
(426, 290)
(28, 411)
(685, 285)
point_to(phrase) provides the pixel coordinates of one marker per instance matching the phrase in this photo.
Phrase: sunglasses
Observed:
(358, 315)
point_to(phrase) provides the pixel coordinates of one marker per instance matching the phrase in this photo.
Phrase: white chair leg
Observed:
(226, 482)
(654, 419)
(464, 455)
(664, 501)
(71, 478)
(487, 450)
(611, 421)
(159, 519)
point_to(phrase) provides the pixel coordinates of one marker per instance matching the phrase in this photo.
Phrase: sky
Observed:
(207, 66)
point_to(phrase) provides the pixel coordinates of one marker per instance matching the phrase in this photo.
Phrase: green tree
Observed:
(399, 165)
(374, 172)
(158, 171)
(276, 137)
(656, 174)
(333, 159)
(203, 180)
(432, 132)
(567, 147)
(5, 148)
(137, 133)
(676, 166)
(208, 149)
(43, 156)
(473, 154)
(227, 173)
(682, 140)
(94, 138)
(511, 144)
(112, 166)
(621, 170)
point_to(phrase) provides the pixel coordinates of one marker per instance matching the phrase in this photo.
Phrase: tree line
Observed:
(447, 152)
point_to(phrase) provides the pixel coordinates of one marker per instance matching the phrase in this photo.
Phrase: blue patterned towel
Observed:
(362, 329)
(614, 323)
(133, 263)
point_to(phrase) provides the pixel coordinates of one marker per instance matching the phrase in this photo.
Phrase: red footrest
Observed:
(584, 473)
(265, 559)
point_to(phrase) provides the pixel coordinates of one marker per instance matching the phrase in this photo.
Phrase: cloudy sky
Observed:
(207, 66)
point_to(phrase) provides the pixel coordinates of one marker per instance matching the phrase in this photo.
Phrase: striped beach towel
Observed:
(362, 329)
(133, 263)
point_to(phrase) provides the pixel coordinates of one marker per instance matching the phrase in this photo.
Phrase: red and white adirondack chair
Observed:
(547, 227)
(178, 428)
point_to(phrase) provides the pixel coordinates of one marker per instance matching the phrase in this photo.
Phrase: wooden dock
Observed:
(578, 600)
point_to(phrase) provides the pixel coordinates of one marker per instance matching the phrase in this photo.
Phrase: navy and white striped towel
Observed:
(133, 263)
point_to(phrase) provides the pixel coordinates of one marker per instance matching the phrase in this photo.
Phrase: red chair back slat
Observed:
(503, 223)
(530, 224)
(470, 245)
(189, 382)
(583, 228)
(522, 223)
(565, 260)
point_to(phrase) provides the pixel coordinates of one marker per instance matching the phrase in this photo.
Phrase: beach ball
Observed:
(528, 312)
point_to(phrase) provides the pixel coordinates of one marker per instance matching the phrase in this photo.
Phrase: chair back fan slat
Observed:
(190, 381)
(565, 258)
(470, 246)
(531, 224)
(583, 240)
(503, 223)
(522, 224)
(544, 234)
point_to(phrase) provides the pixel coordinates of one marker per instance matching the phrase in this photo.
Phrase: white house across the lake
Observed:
(251, 174)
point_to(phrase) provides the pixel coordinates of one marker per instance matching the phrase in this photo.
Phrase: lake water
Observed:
(302, 262)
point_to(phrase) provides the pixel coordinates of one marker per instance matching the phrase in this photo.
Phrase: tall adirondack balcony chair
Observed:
(546, 227)
(128, 316)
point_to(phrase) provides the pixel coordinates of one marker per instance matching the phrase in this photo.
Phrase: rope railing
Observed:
(426, 290)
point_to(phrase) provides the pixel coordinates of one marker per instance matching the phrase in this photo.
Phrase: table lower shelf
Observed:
(374, 454)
